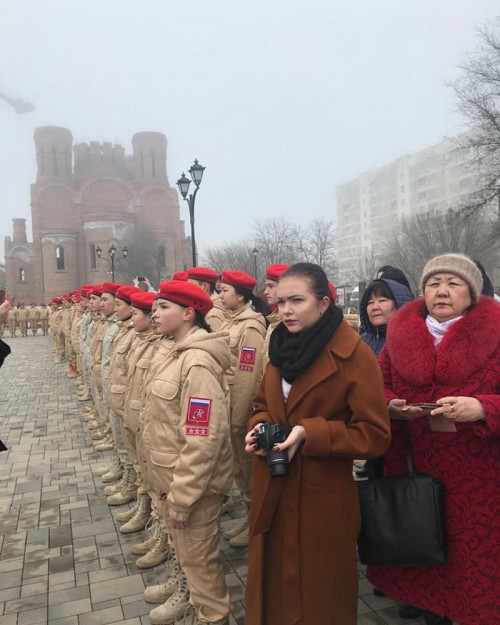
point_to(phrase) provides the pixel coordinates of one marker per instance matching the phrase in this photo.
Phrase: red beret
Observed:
(125, 293)
(143, 299)
(32, 304)
(180, 275)
(97, 290)
(273, 272)
(74, 293)
(185, 294)
(57, 300)
(204, 274)
(239, 279)
(77, 298)
(333, 291)
(110, 287)
(67, 298)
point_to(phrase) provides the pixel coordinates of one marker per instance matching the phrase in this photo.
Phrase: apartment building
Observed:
(370, 206)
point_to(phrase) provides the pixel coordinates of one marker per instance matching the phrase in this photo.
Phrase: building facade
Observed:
(89, 196)
(431, 181)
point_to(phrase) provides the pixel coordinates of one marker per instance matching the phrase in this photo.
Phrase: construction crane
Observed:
(20, 106)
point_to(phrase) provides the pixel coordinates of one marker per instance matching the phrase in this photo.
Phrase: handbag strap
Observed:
(408, 450)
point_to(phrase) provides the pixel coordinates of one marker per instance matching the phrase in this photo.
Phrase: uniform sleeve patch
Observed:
(247, 358)
(198, 416)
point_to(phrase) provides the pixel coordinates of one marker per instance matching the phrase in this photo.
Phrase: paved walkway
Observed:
(62, 559)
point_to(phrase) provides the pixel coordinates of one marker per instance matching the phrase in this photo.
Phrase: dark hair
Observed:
(393, 273)
(487, 285)
(314, 274)
(199, 320)
(377, 288)
(211, 285)
(384, 268)
(258, 304)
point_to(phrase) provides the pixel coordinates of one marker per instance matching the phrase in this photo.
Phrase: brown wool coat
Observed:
(303, 528)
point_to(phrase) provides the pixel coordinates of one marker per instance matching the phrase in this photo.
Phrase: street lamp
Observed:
(112, 257)
(196, 172)
(255, 251)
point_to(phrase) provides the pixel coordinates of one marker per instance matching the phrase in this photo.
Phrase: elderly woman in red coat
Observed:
(324, 383)
(445, 349)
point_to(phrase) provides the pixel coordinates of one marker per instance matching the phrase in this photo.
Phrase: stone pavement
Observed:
(62, 559)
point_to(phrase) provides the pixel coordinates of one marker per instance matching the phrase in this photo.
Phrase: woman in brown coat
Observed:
(325, 383)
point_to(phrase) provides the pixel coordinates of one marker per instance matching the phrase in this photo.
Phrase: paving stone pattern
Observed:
(62, 559)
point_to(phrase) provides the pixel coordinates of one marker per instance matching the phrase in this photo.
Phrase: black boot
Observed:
(409, 612)
(434, 619)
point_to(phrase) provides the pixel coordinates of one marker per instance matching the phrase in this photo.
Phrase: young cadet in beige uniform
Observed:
(43, 317)
(58, 335)
(247, 329)
(206, 278)
(185, 443)
(100, 425)
(111, 429)
(12, 321)
(155, 549)
(83, 345)
(273, 273)
(139, 361)
(23, 316)
(126, 489)
(33, 319)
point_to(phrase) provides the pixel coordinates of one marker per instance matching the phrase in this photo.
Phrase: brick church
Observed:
(90, 196)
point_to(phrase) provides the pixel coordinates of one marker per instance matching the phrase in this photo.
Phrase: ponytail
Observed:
(258, 303)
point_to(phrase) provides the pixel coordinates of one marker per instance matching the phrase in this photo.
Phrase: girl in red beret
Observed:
(247, 329)
(188, 455)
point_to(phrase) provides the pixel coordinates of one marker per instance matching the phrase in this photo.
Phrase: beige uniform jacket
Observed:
(247, 330)
(65, 321)
(43, 313)
(108, 340)
(76, 322)
(216, 317)
(274, 320)
(185, 421)
(118, 368)
(141, 355)
(33, 314)
(23, 314)
(12, 318)
(96, 352)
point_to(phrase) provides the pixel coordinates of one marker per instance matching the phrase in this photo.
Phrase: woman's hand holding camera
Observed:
(250, 443)
(294, 439)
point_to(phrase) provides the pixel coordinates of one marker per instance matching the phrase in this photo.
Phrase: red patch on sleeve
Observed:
(198, 416)
(247, 358)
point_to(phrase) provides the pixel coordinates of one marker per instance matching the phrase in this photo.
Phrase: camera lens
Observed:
(277, 462)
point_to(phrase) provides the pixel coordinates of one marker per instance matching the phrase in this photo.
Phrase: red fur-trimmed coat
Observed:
(467, 362)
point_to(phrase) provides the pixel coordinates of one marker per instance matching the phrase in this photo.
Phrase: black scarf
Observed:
(292, 353)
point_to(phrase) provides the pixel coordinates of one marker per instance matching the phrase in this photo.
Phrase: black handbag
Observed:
(402, 518)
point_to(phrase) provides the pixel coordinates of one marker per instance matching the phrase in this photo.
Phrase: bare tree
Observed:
(478, 94)
(231, 256)
(418, 239)
(277, 240)
(318, 244)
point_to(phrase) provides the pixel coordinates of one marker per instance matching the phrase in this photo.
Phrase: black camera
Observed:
(266, 437)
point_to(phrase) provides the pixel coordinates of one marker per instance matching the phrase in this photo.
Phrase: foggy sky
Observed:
(280, 99)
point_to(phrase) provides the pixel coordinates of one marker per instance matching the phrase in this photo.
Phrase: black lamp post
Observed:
(112, 257)
(255, 251)
(196, 172)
